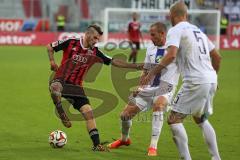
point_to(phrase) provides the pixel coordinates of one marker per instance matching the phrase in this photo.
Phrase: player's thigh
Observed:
(135, 46)
(143, 100)
(176, 117)
(208, 109)
(191, 99)
(163, 99)
(209, 103)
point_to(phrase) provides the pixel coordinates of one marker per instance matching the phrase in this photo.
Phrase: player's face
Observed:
(135, 16)
(93, 38)
(158, 38)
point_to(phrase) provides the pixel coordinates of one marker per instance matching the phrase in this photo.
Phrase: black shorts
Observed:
(74, 94)
(77, 102)
(135, 45)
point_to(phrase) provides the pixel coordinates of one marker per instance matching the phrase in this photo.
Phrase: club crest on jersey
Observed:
(159, 55)
(158, 59)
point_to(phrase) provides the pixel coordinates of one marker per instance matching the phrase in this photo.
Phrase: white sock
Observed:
(157, 123)
(181, 140)
(210, 138)
(126, 125)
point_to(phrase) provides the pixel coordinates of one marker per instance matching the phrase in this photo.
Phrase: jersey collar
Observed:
(81, 43)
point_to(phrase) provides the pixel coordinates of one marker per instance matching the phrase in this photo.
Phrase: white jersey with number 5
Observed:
(193, 58)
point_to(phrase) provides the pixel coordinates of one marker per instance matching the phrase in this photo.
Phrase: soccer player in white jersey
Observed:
(157, 94)
(198, 62)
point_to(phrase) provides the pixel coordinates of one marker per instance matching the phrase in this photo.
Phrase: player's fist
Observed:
(135, 92)
(54, 66)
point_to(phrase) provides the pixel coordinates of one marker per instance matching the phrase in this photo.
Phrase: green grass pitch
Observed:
(27, 114)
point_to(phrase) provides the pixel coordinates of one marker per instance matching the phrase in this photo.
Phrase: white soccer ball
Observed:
(57, 139)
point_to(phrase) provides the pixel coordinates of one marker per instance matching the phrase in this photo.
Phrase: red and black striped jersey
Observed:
(134, 31)
(76, 60)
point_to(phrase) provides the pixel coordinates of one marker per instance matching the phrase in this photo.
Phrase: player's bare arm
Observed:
(167, 59)
(138, 89)
(216, 59)
(54, 66)
(122, 64)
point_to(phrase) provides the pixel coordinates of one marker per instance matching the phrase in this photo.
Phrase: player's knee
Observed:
(160, 104)
(87, 112)
(88, 115)
(158, 108)
(56, 88)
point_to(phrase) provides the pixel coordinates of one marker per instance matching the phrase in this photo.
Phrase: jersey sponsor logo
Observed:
(79, 58)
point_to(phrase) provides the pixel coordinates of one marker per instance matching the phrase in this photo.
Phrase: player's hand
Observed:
(135, 93)
(54, 66)
(139, 66)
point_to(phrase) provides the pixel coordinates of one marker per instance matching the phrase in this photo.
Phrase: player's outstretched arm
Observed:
(216, 59)
(54, 66)
(122, 64)
(139, 87)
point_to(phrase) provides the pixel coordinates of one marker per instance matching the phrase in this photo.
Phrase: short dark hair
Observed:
(96, 28)
(161, 27)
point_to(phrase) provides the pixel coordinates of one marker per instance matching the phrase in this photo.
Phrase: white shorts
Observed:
(195, 99)
(148, 96)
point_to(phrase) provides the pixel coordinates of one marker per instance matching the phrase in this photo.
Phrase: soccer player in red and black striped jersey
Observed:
(79, 54)
(134, 35)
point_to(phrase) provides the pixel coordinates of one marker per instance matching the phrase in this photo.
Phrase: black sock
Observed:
(94, 136)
